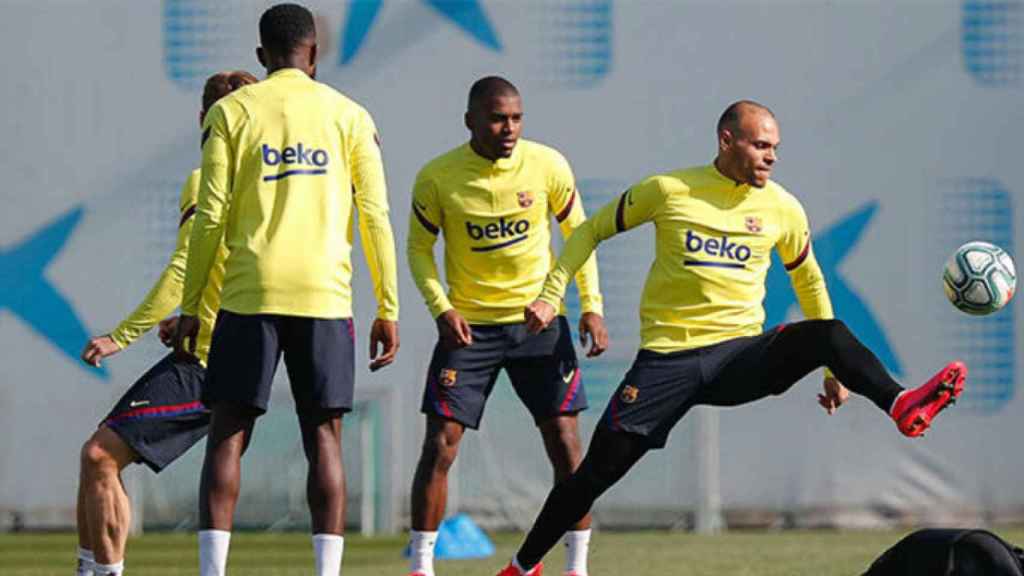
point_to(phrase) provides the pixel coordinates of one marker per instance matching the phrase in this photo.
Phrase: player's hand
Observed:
(538, 315)
(383, 343)
(167, 328)
(453, 330)
(834, 396)
(99, 348)
(592, 326)
(185, 336)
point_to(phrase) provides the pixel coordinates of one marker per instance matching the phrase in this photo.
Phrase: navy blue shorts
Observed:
(160, 417)
(542, 367)
(660, 389)
(319, 354)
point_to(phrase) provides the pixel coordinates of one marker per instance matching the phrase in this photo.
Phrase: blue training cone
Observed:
(459, 538)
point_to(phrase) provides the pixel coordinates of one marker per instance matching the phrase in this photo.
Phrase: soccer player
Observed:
(493, 198)
(285, 164)
(160, 417)
(701, 316)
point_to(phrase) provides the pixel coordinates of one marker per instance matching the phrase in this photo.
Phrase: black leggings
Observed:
(792, 353)
(795, 351)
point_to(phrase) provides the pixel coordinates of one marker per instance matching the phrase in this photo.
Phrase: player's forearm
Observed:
(420, 252)
(576, 252)
(205, 240)
(587, 283)
(379, 249)
(161, 300)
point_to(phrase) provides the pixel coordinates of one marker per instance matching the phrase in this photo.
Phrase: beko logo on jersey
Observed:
(514, 230)
(721, 246)
(298, 155)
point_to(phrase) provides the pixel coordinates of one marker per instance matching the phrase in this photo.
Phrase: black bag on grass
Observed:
(950, 552)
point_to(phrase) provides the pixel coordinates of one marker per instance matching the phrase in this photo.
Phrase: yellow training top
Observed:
(713, 249)
(496, 217)
(284, 163)
(165, 295)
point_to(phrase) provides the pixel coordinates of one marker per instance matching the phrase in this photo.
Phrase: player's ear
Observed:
(261, 56)
(724, 139)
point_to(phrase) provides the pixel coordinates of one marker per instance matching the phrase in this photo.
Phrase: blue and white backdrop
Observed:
(901, 124)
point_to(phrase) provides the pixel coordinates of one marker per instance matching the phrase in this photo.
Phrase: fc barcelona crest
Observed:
(525, 199)
(754, 224)
(629, 394)
(447, 377)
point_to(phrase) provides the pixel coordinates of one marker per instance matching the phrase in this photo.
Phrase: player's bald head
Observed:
(223, 83)
(484, 89)
(732, 118)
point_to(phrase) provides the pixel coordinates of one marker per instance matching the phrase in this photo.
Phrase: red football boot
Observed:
(915, 409)
(511, 570)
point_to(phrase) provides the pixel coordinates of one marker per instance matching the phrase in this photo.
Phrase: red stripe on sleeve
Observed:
(620, 213)
(800, 259)
(568, 208)
(423, 220)
(188, 213)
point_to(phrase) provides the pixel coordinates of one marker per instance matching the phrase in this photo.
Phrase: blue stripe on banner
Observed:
(713, 264)
(288, 173)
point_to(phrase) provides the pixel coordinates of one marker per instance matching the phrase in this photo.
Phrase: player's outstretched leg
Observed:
(562, 443)
(103, 503)
(610, 456)
(430, 490)
(325, 488)
(794, 350)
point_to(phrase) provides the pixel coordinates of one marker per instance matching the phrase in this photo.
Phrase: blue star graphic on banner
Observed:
(468, 15)
(25, 291)
(831, 247)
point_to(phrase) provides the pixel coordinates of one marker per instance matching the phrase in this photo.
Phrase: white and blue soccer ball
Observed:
(979, 278)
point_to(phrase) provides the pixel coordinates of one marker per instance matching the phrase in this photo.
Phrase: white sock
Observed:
(213, 552)
(327, 552)
(109, 569)
(421, 552)
(86, 561)
(577, 543)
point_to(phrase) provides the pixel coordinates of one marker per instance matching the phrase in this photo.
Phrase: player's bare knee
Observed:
(568, 436)
(95, 458)
(564, 432)
(441, 446)
(445, 449)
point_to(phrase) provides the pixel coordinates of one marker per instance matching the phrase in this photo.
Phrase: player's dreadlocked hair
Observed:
(731, 117)
(223, 83)
(490, 86)
(285, 26)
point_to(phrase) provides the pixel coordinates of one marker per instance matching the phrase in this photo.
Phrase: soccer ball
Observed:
(979, 278)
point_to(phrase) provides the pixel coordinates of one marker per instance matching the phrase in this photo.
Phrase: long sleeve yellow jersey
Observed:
(495, 217)
(285, 163)
(165, 295)
(713, 242)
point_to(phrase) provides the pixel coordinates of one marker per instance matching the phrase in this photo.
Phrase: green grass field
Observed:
(827, 553)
